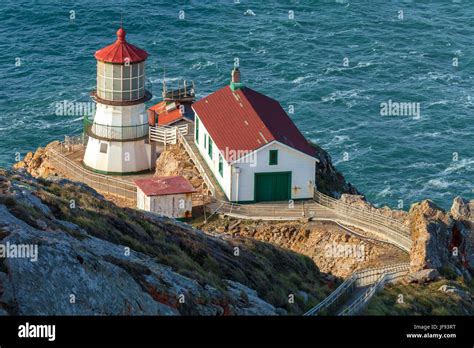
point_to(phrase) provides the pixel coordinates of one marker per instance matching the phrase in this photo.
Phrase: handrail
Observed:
(97, 181)
(392, 229)
(333, 296)
(167, 134)
(383, 279)
(356, 279)
(197, 163)
(105, 131)
(329, 201)
(314, 211)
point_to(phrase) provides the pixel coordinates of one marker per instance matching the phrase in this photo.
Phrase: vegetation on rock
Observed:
(61, 206)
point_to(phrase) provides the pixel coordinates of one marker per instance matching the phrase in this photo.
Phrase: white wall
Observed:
(301, 166)
(174, 206)
(121, 157)
(224, 180)
(143, 201)
(113, 115)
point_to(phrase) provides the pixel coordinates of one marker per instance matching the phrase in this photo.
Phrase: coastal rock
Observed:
(454, 290)
(251, 304)
(463, 210)
(423, 276)
(332, 248)
(103, 279)
(359, 201)
(37, 164)
(175, 161)
(99, 259)
(329, 180)
(431, 230)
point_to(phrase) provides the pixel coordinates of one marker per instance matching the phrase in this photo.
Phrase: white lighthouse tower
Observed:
(118, 135)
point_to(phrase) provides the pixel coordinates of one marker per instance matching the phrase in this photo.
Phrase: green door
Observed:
(272, 186)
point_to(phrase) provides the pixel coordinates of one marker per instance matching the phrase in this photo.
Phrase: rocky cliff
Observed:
(175, 161)
(95, 258)
(37, 163)
(329, 180)
(441, 240)
(334, 249)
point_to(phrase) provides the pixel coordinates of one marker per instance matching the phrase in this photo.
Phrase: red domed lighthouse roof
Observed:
(121, 51)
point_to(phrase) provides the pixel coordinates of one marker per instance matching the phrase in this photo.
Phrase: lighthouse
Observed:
(118, 135)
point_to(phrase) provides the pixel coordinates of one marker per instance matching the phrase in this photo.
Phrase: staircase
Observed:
(187, 141)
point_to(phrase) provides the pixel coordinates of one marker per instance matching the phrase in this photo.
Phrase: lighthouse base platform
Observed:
(119, 158)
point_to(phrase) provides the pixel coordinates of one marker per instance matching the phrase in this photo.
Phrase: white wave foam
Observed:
(465, 163)
(200, 65)
(421, 165)
(428, 134)
(438, 183)
(387, 191)
(338, 140)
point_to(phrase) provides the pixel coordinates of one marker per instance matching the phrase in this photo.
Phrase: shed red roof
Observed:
(121, 51)
(166, 117)
(245, 120)
(164, 185)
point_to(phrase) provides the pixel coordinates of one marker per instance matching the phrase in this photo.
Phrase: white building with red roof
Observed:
(168, 196)
(252, 147)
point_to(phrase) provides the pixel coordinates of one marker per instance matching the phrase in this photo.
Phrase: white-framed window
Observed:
(118, 82)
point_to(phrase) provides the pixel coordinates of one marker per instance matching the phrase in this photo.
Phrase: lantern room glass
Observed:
(120, 82)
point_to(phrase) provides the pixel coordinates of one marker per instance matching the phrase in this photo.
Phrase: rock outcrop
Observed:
(463, 210)
(37, 163)
(330, 181)
(334, 249)
(359, 201)
(439, 239)
(175, 161)
(94, 258)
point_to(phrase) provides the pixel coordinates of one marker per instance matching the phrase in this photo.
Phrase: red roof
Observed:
(164, 116)
(251, 121)
(121, 51)
(164, 185)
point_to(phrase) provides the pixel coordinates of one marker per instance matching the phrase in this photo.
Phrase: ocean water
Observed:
(398, 51)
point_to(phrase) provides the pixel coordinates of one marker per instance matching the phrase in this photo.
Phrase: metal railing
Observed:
(121, 133)
(359, 279)
(167, 134)
(181, 93)
(99, 182)
(197, 163)
(372, 216)
(393, 230)
(333, 297)
(274, 211)
(315, 211)
(390, 275)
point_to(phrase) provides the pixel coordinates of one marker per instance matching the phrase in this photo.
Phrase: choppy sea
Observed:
(334, 63)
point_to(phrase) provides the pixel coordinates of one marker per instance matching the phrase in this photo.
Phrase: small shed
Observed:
(168, 195)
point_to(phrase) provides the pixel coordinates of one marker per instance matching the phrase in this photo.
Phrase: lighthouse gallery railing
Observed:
(120, 133)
